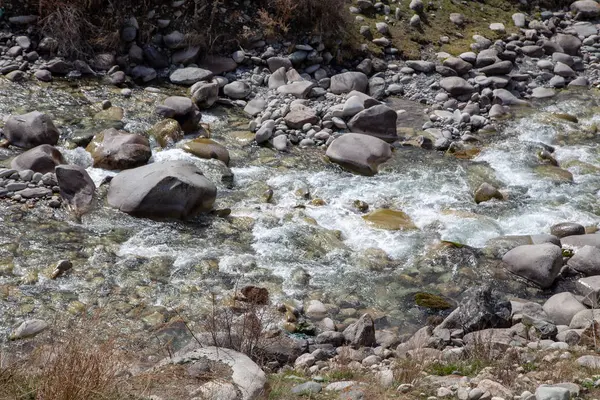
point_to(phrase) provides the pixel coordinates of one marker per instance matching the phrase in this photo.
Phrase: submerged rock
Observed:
(390, 220)
(173, 189)
(166, 132)
(207, 148)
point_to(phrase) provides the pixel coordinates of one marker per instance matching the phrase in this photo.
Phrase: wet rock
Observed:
(208, 149)
(539, 263)
(359, 153)
(349, 81)
(378, 121)
(562, 307)
(565, 229)
(76, 188)
(43, 159)
(173, 189)
(113, 149)
(166, 132)
(190, 75)
(29, 328)
(31, 130)
(487, 192)
(390, 220)
(361, 333)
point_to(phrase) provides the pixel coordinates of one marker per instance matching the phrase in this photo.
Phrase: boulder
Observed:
(480, 309)
(456, 86)
(562, 307)
(361, 333)
(205, 94)
(349, 81)
(42, 159)
(487, 192)
(29, 328)
(421, 66)
(113, 149)
(172, 189)
(275, 63)
(565, 229)
(359, 153)
(237, 90)
(581, 240)
(300, 115)
(585, 9)
(589, 288)
(166, 132)
(76, 187)
(277, 78)
(190, 75)
(547, 392)
(298, 89)
(217, 64)
(498, 68)
(591, 362)
(248, 379)
(538, 263)
(458, 64)
(378, 121)
(584, 319)
(569, 43)
(208, 149)
(586, 260)
(30, 130)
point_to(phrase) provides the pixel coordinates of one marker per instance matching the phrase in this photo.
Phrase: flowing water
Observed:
(298, 247)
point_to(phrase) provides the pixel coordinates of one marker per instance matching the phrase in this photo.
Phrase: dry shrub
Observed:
(72, 364)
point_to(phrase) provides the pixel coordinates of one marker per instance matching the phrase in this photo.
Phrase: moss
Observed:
(431, 301)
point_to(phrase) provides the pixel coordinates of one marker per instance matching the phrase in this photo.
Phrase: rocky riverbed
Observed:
(359, 201)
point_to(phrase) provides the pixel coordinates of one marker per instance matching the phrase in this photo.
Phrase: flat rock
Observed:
(190, 75)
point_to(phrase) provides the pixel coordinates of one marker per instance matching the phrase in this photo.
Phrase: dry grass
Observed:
(70, 364)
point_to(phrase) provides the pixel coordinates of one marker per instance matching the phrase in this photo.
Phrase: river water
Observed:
(308, 241)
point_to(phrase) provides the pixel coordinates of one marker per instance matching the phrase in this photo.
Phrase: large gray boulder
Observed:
(190, 75)
(458, 64)
(569, 43)
(456, 86)
(421, 66)
(205, 94)
(300, 115)
(361, 333)
(584, 319)
(113, 149)
(498, 68)
(581, 240)
(359, 153)
(585, 9)
(42, 159)
(172, 189)
(586, 260)
(247, 378)
(237, 90)
(349, 81)
(30, 130)
(538, 263)
(480, 309)
(76, 187)
(497, 247)
(562, 307)
(589, 288)
(378, 121)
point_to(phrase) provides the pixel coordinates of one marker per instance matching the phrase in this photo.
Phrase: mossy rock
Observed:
(554, 173)
(207, 149)
(392, 220)
(566, 117)
(242, 137)
(431, 301)
(111, 114)
(166, 132)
